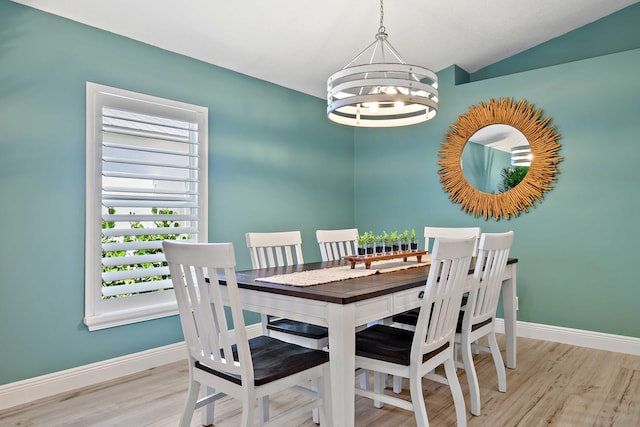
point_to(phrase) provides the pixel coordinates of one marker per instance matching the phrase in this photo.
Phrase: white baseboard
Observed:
(578, 337)
(25, 391)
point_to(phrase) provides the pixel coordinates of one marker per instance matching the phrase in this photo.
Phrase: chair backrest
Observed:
(453, 233)
(195, 271)
(275, 249)
(436, 325)
(493, 253)
(334, 244)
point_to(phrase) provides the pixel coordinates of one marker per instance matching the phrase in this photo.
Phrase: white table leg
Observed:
(509, 308)
(342, 348)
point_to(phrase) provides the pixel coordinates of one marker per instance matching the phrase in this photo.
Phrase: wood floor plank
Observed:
(622, 405)
(554, 385)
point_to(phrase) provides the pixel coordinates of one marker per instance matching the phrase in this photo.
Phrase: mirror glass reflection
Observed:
(496, 158)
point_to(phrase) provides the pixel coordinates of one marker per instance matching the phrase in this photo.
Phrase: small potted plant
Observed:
(362, 243)
(371, 241)
(387, 242)
(379, 244)
(404, 240)
(393, 239)
(414, 240)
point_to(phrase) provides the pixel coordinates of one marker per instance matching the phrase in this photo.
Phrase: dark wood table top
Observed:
(342, 292)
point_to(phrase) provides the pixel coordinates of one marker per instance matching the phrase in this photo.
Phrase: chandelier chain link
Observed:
(381, 29)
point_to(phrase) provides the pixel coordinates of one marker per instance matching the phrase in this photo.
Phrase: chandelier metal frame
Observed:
(379, 93)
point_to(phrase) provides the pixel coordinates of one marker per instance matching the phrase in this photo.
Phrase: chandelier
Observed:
(378, 88)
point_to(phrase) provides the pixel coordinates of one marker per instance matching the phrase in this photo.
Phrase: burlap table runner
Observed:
(336, 274)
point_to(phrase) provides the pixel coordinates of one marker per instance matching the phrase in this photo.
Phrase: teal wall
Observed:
(275, 163)
(614, 33)
(577, 249)
(482, 166)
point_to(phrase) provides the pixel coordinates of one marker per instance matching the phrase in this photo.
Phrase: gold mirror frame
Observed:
(542, 139)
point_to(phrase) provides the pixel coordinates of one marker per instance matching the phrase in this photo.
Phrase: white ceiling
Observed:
(499, 137)
(298, 44)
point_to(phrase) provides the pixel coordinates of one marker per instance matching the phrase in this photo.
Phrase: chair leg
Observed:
(378, 386)
(475, 348)
(364, 380)
(456, 392)
(190, 404)
(497, 360)
(316, 412)
(397, 384)
(263, 409)
(248, 400)
(417, 399)
(318, 415)
(208, 411)
(472, 377)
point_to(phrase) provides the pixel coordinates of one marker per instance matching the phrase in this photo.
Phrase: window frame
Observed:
(105, 313)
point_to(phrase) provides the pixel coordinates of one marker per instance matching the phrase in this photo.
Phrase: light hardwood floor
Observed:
(554, 385)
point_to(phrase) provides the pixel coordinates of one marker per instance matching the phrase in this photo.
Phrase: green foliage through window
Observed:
(163, 225)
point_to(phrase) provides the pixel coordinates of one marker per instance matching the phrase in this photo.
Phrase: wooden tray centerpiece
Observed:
(368, 259)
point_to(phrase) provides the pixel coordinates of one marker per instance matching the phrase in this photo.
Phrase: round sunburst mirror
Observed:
(533, 179)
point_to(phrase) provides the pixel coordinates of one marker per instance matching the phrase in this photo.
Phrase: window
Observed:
(146, 182)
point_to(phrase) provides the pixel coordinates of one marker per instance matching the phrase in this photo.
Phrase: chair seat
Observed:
(382, 342)
(410, 317)
(273, 359)
(301, 329)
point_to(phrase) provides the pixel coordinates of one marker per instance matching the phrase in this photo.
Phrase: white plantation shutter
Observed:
(149, 165)
(147, 184)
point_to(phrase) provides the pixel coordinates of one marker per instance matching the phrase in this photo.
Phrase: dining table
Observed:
(345, 304)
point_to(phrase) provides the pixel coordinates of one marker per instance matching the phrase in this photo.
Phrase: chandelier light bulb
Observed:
(372, 106)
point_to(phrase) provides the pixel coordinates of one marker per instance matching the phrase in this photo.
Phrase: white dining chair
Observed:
(387, 350)
(275, 249)
(479, 312)
(278, 249)
(335, 244)
(407, 320)
(224, 360)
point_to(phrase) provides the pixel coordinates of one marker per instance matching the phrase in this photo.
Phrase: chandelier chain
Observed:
(381, 29)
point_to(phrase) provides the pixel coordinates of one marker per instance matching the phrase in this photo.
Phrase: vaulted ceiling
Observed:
(298, 44)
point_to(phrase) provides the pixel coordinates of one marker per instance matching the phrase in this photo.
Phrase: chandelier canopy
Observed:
(381, 92)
